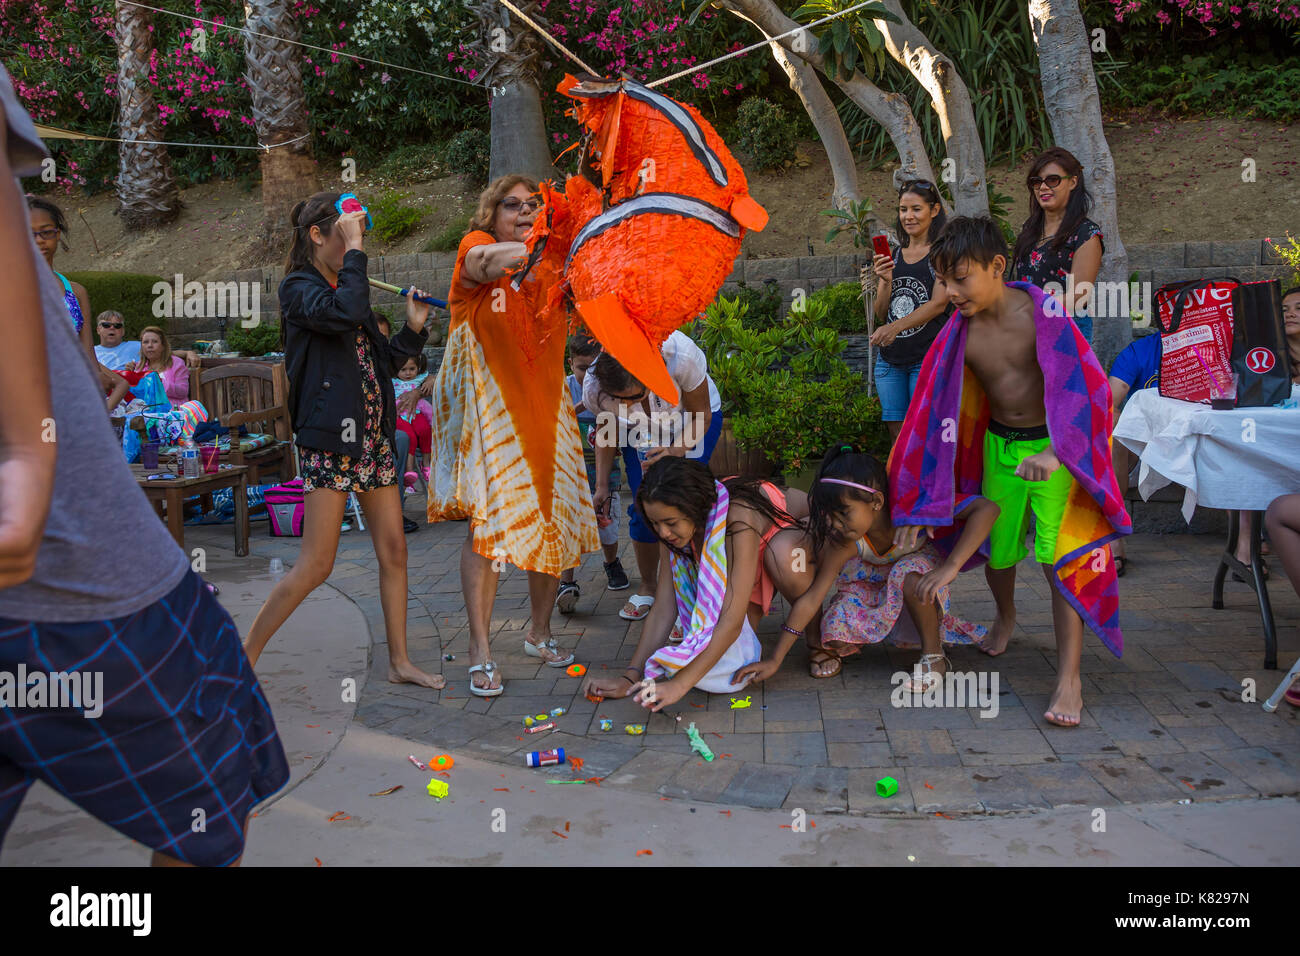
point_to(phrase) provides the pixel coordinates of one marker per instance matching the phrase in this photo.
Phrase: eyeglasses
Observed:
(112, 325)
(46, 234)
(514, 204)
(1051, 182)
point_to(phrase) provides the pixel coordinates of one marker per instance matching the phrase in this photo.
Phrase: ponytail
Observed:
(317, 210)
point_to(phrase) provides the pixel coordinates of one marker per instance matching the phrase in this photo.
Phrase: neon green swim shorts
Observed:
(1004, 450)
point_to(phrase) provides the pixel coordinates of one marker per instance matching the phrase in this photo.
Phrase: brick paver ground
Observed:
(1164, 723)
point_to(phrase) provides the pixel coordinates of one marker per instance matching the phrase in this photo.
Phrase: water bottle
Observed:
(189, 459)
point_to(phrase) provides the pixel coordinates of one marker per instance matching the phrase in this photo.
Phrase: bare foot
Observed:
(999, 636)
(1066, 704)
(549, 656)
(408, 673)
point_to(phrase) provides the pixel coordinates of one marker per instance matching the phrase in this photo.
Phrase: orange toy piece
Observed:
(576, 670)
(647, 241)
(442, 762)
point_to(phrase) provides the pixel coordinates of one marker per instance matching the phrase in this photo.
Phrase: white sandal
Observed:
(924, 677)
(535, 650)
(638, 601)
(489, 668)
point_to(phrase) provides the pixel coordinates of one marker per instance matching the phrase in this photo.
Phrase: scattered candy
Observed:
(529, 721)
(576, 763)
(557, 712)
(697, 744)
(595, 698)
(645, 852)
(538, 728)
(384, 793)
(448, 657)
(416, 762)
(338, 817)
(576, 670)
(606, 724)
(634, 729)
(559, 834)
(438, 788)
(910, 858)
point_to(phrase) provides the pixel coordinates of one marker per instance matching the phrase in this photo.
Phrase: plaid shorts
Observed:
(185, 745)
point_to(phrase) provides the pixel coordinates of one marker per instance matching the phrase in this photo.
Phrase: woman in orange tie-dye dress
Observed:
(506, 451)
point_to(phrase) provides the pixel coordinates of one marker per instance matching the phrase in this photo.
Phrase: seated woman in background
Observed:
(156, 356)
(727, 548)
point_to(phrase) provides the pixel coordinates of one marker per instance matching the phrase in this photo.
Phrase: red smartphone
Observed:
(880, 244)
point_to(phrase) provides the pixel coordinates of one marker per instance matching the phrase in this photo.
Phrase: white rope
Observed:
(546, 36)
(309, 46)
(753, 46)
(50, 132)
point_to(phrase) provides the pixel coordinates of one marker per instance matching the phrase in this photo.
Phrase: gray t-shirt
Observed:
(104, 553)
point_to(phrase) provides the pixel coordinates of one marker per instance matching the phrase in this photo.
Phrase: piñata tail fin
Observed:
(749, 213)
(615, 330)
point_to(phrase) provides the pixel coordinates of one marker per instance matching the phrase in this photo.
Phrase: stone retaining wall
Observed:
(1156, 263)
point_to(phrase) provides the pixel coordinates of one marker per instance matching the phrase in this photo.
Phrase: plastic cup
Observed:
(149, 455)
(210, 455)
(1224, 395)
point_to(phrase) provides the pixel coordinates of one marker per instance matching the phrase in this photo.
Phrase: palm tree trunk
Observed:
(1074, 110)
(146, 187)
(274, 73)
(512, 56)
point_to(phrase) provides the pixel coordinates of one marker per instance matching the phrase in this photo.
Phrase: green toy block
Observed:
(438, 788)
(886, 787)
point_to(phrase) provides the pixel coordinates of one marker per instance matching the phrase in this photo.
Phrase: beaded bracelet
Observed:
(790, 630)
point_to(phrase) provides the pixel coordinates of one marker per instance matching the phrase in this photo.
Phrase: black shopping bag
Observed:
(1259, 353)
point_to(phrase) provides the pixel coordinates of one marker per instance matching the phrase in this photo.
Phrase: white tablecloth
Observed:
(1234, 459)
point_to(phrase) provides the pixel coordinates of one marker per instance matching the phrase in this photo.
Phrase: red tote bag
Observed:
(1195, 336)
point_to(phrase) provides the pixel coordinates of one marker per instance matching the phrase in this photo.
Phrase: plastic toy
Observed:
(438, 788)
(634, 729)
(886, 787)
(740, 704)
(442, 762)
(542, 717)
(545, 758)
(576, 670)
(697, 744)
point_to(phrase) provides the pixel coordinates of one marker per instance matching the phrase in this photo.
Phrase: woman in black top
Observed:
(344, 417)
(1059, 245)
(909, 300)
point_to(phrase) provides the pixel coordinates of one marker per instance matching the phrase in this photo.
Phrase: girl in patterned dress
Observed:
(877, 577)
(344, 417)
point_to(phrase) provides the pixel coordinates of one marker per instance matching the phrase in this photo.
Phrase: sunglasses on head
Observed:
(112, 325)
(349, 202)
(514, 204)
(916, 184)
(1051, 182)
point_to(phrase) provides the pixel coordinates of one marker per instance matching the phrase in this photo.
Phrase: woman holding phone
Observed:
(344, 417)
(909, 300)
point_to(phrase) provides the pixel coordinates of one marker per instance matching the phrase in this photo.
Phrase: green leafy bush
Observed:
(844, 309)
(1289, 252)
(125, 292)
(793, 420)
(762, 305)
(449, 239)
(1216, 86)
(765, 132)
(258, 340)
(469, 153)
(394, 219)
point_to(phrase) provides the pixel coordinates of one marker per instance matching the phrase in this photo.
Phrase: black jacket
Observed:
(320, 355)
